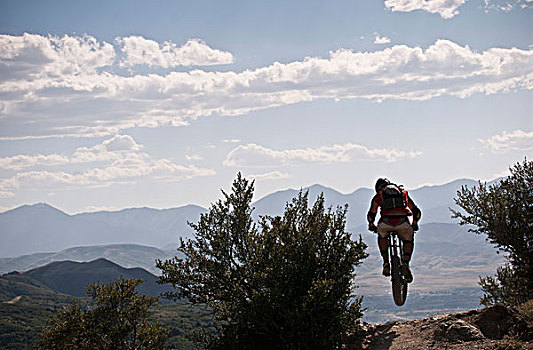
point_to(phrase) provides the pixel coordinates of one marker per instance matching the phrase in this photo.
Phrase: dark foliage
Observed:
(284, 283)
(118, 320)
(504, 212)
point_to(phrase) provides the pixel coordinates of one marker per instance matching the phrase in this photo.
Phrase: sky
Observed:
(106, 105)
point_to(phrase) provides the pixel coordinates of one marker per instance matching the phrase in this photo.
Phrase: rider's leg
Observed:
(383, 244)
(408, 246)
(407, 235)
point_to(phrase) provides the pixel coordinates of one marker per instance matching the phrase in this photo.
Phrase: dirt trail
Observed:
(14, 300)
(496, 327)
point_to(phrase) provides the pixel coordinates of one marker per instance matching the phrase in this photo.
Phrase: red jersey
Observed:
(378, 198)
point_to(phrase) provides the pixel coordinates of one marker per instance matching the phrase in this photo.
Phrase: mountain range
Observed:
(434, 201)
(41, 228)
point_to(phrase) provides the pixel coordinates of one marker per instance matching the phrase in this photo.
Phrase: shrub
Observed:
(283, 283)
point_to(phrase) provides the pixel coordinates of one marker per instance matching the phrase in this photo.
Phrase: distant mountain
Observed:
(165, 225)
(69, 277)
(274, 204)
(434, 201)
(41, 228)
(126, 255)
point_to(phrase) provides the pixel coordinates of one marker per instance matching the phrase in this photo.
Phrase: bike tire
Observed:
(399, 287)
(404, 292)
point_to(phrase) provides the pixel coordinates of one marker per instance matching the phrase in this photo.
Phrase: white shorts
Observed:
(405, 230)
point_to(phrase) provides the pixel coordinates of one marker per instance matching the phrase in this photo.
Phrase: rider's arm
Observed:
(371, 215)
(372, 212)
(417, 214)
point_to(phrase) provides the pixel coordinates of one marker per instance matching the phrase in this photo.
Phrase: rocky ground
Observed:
(495, 327)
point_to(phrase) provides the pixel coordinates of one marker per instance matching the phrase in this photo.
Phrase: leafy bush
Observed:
(119, 320)
(504, 212)
(284, 283)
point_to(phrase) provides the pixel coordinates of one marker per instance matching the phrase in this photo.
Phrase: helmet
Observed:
(381, 183)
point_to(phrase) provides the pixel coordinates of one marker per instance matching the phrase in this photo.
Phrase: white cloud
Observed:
(193, 157)
(44, 179)
(5, 191)
(89, 100)
(35, 56)
(252, 155)
(121, 171)
(231, 141)
(115, 148)
(121, 143)
(143, 166)
(6, 194)
(506, 5)
(119, 159)
(138, 50)
(445, 8)
(121, 150)
(381, 40)
(517, 140)
(273, 175)
(22, 161)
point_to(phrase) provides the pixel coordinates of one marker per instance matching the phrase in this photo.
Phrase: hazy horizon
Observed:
(255, 199)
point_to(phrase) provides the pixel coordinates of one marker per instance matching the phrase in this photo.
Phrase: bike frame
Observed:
(395, 245)
(399, 286)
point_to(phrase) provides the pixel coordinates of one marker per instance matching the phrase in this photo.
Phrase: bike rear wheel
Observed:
(399, 287)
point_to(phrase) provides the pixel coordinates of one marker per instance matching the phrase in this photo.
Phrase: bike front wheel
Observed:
(399, 286)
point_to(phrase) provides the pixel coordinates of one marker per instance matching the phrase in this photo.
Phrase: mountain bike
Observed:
(399, 285)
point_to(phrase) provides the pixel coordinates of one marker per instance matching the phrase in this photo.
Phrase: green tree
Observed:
(118, 320)
(504, 212)
(283, 283)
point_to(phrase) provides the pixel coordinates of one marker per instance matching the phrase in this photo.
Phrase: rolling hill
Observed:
(126, 255)
(29, 300)
(69, 277)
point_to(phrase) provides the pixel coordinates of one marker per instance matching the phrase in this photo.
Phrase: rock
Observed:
(499, 320)
(458, 331)
(474, 329)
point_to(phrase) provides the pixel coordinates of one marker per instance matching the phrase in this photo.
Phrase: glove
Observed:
(372, 227)
(414, 226)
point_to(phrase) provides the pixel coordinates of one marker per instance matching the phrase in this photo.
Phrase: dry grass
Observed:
(510, 342)
(527, 309)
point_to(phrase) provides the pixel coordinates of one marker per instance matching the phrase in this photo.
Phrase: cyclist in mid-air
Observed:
(396, 206)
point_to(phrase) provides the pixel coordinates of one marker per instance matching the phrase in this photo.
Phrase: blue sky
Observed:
(107, 105)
